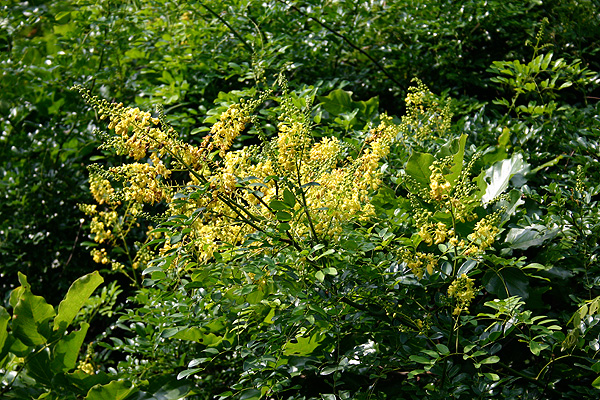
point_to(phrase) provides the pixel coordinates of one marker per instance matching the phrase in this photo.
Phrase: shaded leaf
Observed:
(30, 314)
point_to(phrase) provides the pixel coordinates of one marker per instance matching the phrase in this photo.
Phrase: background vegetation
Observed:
(524, 92)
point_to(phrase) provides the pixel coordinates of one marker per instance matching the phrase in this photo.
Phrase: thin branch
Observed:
(236, 33)
(345, 39)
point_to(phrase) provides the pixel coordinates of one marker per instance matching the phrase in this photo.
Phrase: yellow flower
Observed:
(86, 367)
(231, 123)
(101, 189)
(439, 186)
(441, 231)
(100, 256)
(462, 289)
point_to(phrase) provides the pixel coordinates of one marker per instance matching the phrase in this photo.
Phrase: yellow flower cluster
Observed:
(427, 116)
(231, 123)
(438, 184)
(462, 289)
(338, 193)
(86, 367)
(484, 234)
(100, 256)
(141, 182)
(101, 189)
(238, 186)
(292, 145)
(136, 131)
(101, 226)
(419, 262)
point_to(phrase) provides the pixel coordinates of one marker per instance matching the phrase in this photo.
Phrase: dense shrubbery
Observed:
(300, 218)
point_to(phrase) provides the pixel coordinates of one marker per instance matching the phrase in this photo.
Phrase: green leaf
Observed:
(289, 198)
(442, 349)
(4, 318)
(38, 367)
(197, 335)
(284, 227)
(490, 360)
(320, 276)
(283, 216)
(115, 390)
(507, 282)
(278, 205)
(250, 394)
(15, 295)
(340, 101)
(67, 349)
(491, 376)
(495, 180)
(417, 168)
(455, 149)
(533, 235)
(420, 359)
(536, 347)
(62, 15)
(79, 292)
(303, 346)
(30, 315)
(596, 383)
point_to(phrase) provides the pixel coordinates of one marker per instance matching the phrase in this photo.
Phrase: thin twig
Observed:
(236, 33)
(345, 39)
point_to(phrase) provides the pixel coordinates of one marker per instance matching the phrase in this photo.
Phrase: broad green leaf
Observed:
(495, 180)
(30, 314)
(15, 295)
(250, 394)
(455, 149)
(490, 360)
(417, 168)
(596, 383)
(115, 390)
(534, 235)
(507, 282)
(82, 380)
(166, 387)
(421, 359)
(79, 292)
(289, 198)
(4, 318)
(340, 101)
(303, 346)
(67, 349)
(38, 367)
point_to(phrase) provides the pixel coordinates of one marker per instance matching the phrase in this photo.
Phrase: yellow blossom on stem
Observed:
(462, 290)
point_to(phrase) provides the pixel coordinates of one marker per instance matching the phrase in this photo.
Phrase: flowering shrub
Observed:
(303, 267)
(309, 247)
(291, 189)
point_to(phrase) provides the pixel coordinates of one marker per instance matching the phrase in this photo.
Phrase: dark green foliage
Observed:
(360, 325)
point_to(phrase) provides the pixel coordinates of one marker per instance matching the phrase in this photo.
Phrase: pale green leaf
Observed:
(115, 390)
(79, 292)
(498, 176)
